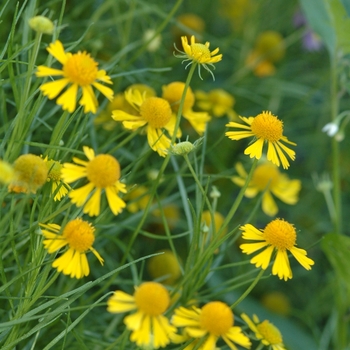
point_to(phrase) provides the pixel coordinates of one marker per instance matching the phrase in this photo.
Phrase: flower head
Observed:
(279, 236)
(30, 173)
(148, 324)
(164, 266)
(78, 70)
(103, 173)
(265, 128)
(59, 188)
(266, 332)
(213, 321)
(173, 94)
(268, 179)
(199, 54)
(218, 102)
(153, 113)
(79, 236)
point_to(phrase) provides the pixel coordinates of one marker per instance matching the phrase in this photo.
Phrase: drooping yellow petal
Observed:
(198, 120)
(252, 233)
(98, 256)
(184, 317)
(238, 135)
(92, 206)
(88, 99)
(300, 255)
(263, 259)
(272, 155)
(158, 141)
(52, 88)
(170, 127)
(89, 152)
(115, 203)
(102, 76)
(210, 342)
(106, 91)
(196, 332)
(281, 266)
(80, 195)
(236, 335)
(68, 99)
(161, 329)
(269, 205)
(255, 149)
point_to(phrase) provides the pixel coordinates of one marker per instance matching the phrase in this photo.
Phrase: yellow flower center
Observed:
(200, 53)
(265, 174)
(269, 332)
(54, 170)
(156, 111)
(79, 234)
(30, 173)
(80, 69)
(267, 127)
(103, 171)
(216, 317)
(280, 234)
(152, 298)
(173, 94)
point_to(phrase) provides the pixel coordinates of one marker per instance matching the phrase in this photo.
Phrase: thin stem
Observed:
(248, 290)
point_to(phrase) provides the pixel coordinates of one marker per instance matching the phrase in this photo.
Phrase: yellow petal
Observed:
(158, 141)
(92, 206)
(71, 172)
(53, 242)
(300, 255)
(255, 149)
(53, 88)
(115, 203)
(88, 100)
(106, 91)
(251, 233)
(272, 155)
(249, 248)
(56, 50)
(121, 302)
(161, 331)
(236, 335)
(269, 205)
(80, 195)
(263, 259)
(68, 99)
(89, 152)
(281, 266)
(198, 120)
(44, 71)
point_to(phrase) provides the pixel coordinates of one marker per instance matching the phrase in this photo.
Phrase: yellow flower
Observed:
(199, 54)
(265, 128)
(165, 266)
(278, 235)
(30, 173)
(218, 102)
(148, 325)
(79, 70)
(266, 332)
(7, 172)
(154, 113)
(58, 187)
(119, 102)
(268, 179)
(173, 93)
(103, 173)
(79, 236)
(213, 321)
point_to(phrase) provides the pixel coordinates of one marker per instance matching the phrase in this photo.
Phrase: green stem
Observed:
(335, 151)
(248, 290)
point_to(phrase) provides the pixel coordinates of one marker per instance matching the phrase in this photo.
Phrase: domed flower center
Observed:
(79, 235)
(152, 298)
(103, 171)
(156, 111)
(173, 94)
(265, 174)
(54, 170)
(267, 127)
(280, 234)
(200, 53)
(269, 332)
(216, 317)
(80, 69)
(30, 174)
